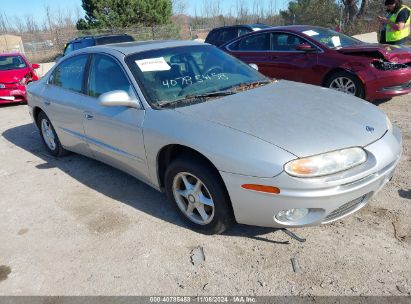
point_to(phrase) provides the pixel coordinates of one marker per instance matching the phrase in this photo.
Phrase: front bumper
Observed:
(387, 84)
(327, 198)
(13, 93)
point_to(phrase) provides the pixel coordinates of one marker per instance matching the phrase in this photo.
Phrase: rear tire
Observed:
(199, 196)
(345, 82)
(49, 136)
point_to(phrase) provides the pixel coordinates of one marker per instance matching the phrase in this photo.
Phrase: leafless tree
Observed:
(351, 9)
(19, 25)
(5, 26)
(31, 25)
(242, 11)
(179, 7)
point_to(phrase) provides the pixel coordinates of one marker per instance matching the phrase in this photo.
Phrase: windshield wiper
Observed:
(251, 84)
(194, 97)
(211, 94)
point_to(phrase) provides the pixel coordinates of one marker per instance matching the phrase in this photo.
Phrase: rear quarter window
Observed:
(212, 37)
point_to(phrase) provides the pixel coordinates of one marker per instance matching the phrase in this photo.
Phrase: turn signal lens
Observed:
(261, 188)
(327, 163)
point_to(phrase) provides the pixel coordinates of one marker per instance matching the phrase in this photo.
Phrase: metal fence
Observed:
(45, 46)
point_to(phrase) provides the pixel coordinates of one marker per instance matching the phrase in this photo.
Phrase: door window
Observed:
(258, 42)
(228, 35)
(284, 42)
(70, 74)
(106, 76)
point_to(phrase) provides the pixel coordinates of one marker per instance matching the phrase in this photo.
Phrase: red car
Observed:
(323, 57)
(15, 73)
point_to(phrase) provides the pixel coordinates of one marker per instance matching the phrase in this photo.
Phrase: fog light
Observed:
(291, 215)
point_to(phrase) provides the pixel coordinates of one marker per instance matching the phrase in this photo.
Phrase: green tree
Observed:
(312, 12)
(124, 13)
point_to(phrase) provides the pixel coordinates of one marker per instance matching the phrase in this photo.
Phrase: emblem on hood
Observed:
(369, 129)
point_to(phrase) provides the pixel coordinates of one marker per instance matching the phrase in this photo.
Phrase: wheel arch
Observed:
(173, 151)
(170, 152)
(36, 112)
(337, 70)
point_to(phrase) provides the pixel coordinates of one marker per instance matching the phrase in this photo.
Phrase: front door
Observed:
(115, 134)
(63, 103)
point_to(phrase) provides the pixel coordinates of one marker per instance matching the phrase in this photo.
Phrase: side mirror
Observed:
(254, 66)
(35, 66)
(118, 98)
(305, 47)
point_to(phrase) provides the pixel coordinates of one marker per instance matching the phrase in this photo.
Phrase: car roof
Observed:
(295, 28)
(254, 25)
(127, 48)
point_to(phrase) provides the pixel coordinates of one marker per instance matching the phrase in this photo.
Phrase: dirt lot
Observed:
(74, 226)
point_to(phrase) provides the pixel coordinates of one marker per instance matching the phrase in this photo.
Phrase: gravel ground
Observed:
(74, 226)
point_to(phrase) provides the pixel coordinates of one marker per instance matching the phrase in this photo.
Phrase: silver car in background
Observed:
(224, 143)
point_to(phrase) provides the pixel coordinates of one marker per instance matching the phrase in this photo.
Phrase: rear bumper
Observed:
(327, 199)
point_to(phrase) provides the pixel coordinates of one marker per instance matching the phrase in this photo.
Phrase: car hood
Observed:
(301, 119)
(393, 53)
(12, 76)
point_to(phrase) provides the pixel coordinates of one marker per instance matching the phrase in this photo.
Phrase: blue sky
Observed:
(36, 8)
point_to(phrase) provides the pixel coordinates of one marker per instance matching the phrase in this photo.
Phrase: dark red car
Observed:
(15, 73)
(323, 57)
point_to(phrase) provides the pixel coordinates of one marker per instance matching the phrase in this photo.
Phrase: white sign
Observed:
(336, 41)
(310, 33)
(153, 64)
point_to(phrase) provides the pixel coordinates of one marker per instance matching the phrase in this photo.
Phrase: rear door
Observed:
(63, 102)
(115, 134)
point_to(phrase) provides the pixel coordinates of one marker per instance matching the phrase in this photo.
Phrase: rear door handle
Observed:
(88, 115)
(47, 102)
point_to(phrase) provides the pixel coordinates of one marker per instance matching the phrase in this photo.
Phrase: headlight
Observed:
(327, 163)
(389, 124)
(388, 66)
(25, 79)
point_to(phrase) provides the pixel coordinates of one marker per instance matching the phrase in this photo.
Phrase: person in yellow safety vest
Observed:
(396, 25)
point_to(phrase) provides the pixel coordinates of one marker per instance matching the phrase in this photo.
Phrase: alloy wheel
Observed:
(48, 135)
(193, 198)
(344, 84)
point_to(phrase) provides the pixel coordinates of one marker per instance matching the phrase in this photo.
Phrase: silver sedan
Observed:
(225, 143)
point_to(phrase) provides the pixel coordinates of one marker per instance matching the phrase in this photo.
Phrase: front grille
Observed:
(346, 209)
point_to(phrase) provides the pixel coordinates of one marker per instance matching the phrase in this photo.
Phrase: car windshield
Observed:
(12, 63)
(195, 73)
(330, 38)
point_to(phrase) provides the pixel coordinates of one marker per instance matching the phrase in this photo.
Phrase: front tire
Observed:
(199, 196)
(49, 136)
(345, 82)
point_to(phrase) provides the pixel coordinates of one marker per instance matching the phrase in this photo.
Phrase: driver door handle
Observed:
(88, 115)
